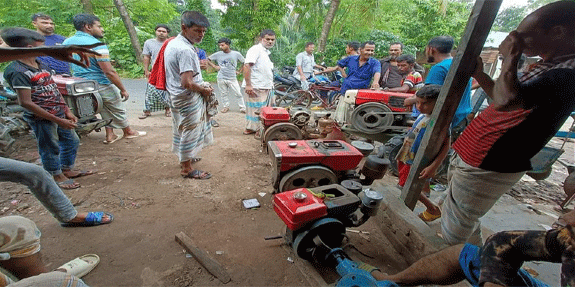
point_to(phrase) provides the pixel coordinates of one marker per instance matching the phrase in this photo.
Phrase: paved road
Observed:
(137, 89)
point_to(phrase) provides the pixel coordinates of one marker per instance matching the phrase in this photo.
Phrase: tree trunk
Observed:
(327, 25)
(130, 28)
(87, 6)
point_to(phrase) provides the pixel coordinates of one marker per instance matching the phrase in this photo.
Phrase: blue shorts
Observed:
(470, 262)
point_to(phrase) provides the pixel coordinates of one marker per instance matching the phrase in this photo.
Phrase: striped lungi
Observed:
(191, 131)
(253, 106)
(471, 194)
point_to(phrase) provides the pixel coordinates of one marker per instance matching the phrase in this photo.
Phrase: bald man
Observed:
(494, 151)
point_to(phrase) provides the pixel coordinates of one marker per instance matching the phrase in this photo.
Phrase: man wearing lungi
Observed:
(191, 128)
(156, 99)
(259, 79)
(495, 149)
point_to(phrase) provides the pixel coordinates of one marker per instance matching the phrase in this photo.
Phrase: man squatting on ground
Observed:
(20, 249)
(227, 67)
(89, 31)
(259, 79)
(191, 130)
(156, 99)
(45, 26)
(494, 151)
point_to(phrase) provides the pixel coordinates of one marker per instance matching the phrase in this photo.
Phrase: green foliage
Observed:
(209, 43)
(245, 19)
(508, 19)
(429, 20)
(144, 13)
(210, 77)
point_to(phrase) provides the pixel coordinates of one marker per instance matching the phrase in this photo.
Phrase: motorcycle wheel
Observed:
(298, 98)
(390, 149)
(281, 100)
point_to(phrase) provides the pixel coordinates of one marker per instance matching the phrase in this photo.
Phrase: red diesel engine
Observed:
(321, 214)
(82, 96)
(373, 111)
(276, 125)
(313, 163)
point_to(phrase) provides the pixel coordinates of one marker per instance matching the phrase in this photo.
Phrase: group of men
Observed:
(494, 152)
(542, 97)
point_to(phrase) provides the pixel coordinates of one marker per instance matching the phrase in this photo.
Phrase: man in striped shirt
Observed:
(494, 151)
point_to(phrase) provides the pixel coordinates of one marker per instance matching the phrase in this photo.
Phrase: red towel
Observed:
(158, 74)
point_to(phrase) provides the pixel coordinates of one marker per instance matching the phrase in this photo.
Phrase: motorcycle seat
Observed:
(284, 80)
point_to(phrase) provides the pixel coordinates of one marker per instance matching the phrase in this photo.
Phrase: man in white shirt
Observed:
(305, 63)
(259, 79)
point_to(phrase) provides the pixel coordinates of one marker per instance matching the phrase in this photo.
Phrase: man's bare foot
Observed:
(110, 139)
(145, 115)
(71, 174)
(81, 217)
(65, 183)
(89, 219)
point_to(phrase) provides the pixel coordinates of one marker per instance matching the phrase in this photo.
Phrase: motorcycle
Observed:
(288, 88)
(81, 96)
(285, 82)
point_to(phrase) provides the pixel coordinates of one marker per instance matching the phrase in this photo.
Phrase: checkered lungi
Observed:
(156, 99)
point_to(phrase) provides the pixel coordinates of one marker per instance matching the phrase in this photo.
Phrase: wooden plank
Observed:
(210, 264)
(471, 44)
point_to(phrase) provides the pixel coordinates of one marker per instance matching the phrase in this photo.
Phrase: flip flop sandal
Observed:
(112, 141)
(247, 132)
(68, 184)
(81, 266)
(144, 116)
(92, 219)
(197, 174)
(215, 123)
(428, 217)
(82, 173)
(140, 133)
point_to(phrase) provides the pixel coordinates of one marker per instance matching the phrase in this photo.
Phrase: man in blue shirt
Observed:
(45, 26)
(438, 51)
(362, 69)
(89, 31)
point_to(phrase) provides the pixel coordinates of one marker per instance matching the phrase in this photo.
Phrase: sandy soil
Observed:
(138, 181)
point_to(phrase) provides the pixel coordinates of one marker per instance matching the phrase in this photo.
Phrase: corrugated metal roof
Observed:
(494, 39)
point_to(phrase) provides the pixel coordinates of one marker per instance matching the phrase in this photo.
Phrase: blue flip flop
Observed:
(92, 219)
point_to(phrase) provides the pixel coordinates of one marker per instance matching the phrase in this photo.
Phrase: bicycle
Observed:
(320, 94)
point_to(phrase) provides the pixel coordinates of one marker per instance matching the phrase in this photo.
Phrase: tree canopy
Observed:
(412, 22)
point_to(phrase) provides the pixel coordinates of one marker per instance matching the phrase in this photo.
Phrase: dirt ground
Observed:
(138, 181)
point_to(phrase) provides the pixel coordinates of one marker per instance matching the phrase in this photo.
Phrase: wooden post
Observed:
(476, 31)
(210, 264)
